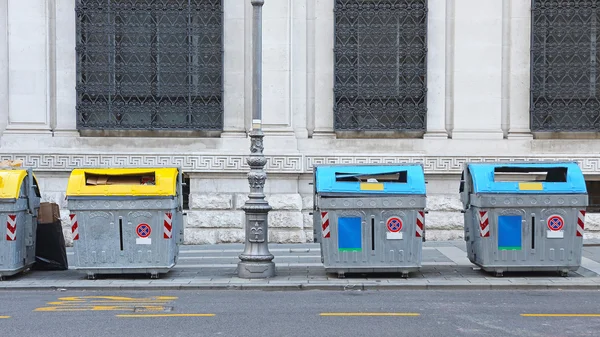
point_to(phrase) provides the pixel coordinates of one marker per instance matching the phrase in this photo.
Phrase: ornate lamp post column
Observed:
(256, 260)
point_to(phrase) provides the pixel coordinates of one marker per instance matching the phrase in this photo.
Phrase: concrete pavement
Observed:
(445, 265)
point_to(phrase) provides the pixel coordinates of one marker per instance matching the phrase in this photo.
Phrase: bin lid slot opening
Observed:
(530, 174)
(144, 178)
(388, 177)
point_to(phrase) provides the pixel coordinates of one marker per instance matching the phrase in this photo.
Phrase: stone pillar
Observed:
(324, 71)
(477, 82)
(519, 71)
(436, 70)
(3, 64)
(298, 61)
(30, 78)
(234, 123)
(65, 119)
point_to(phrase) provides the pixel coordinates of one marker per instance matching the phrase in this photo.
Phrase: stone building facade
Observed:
(437, 82)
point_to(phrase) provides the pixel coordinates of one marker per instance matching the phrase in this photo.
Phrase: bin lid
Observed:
(370, 179)
(10, 183)
(528, 178)
(123, 182)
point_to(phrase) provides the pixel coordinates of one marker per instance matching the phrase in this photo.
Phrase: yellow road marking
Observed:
(370, 314)
(560, 315)
(164, 315)
(3, 317)
(99, 308)
(107, 303)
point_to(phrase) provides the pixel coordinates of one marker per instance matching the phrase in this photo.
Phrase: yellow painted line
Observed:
(4, 317)
(100, 308)
(560, 315)
(370, 314)
(164, 315)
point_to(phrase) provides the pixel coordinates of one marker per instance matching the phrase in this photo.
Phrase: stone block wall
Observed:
(215, 214)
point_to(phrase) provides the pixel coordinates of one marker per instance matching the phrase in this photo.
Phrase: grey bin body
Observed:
(380, 250)
(18, 253)
(522, 220)
(108, 241)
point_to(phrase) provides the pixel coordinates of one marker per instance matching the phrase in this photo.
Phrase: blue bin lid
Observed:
(561, 178)
(391, 179)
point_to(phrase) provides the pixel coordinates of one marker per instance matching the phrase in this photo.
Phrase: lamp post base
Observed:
(250, 269)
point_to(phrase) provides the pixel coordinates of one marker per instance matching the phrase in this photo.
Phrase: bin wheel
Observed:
(2, 278)
(154, 275)
(341, 275)
(499, 273)
(564, 273)
(91, 276)
(404, 275)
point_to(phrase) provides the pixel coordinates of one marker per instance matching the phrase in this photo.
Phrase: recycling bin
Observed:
(19, 205)
(371, 217)
(524, 216)
(125, 220)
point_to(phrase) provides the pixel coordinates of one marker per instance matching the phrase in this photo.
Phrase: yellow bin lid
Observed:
(123, 182)
(10, 183)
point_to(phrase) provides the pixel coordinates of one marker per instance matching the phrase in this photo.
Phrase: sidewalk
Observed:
(445, 266)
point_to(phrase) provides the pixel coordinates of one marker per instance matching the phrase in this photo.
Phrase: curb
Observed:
(315, 286)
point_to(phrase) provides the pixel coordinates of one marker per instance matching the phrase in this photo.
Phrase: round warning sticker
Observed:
(394, 224)
(555, 223)
(143, 230)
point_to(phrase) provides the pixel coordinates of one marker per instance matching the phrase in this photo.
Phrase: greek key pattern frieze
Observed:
(189, 163)
(445, 165)
(275, 164)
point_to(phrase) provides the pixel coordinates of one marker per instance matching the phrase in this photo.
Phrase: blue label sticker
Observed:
(509, 232)
(350, 234)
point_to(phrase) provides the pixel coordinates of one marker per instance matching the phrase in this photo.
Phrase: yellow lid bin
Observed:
(123, 182)
(11, 182)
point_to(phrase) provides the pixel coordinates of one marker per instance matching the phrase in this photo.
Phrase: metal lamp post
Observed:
(256, 260)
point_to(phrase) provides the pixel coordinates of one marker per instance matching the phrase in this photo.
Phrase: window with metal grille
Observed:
(593, 188)
(564, 58)
(149, 64)
(380, 65)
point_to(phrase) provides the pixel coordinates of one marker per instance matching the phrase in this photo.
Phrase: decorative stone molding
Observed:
(447, 164)
(202, 163)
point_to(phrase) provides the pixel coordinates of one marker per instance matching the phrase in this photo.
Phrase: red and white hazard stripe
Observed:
(580, 222)
(168, 226)
(325, 224)
(11, 227)
(420, 223)
(74, 226)
(484, 224)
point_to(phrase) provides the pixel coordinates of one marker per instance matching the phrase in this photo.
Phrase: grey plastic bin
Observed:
(19, 206)
(524, 216)
(369, 218)
(125, 220)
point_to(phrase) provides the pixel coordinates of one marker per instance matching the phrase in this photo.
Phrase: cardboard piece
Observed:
(11, 163)
(49, 213)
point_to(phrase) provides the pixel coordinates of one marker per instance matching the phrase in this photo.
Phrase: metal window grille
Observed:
(380, 65)
(564, 59)
(149, 64)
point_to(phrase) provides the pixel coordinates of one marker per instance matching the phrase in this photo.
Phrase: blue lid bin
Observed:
(524, 216)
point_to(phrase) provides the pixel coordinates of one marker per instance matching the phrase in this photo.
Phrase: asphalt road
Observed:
(302, 313)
